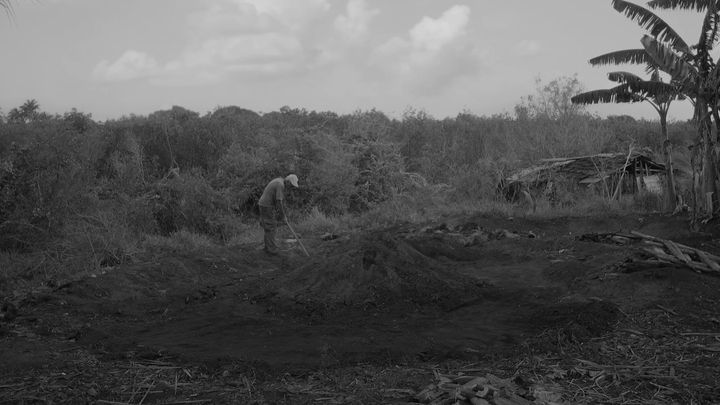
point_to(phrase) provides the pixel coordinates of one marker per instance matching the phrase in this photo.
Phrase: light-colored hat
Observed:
(292, 179)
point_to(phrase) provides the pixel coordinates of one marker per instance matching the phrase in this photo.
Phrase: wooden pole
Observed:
(297, 238)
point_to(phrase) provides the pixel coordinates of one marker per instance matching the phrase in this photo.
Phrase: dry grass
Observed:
(649, 358)
(182, 240)
(86, 379)
(246, 234)
(431, 205)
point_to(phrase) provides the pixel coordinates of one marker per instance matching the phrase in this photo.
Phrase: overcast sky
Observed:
(116, 57)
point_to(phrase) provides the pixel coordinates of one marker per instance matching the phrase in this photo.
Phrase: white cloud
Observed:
(294, 14)
(258, 15)
(130, 65)
(252, 37)
(354, 24)
(247, 49)
(527, 47)
(227, 17)
(435, 53)
(433, 34)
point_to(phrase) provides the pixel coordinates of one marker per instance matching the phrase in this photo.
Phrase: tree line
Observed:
(178, 169)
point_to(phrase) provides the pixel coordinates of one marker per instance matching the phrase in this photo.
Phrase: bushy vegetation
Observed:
(99, 192)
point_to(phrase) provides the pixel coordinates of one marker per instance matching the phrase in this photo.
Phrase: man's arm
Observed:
(282, 210)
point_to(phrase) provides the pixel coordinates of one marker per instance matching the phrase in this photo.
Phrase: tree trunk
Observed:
(670, 198)
(708, 190)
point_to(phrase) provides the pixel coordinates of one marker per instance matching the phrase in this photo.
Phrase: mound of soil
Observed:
(379, 269)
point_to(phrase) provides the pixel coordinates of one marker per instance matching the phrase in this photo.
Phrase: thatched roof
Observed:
(588, 169)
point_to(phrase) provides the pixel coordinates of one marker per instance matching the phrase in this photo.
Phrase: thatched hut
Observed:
(609, 173)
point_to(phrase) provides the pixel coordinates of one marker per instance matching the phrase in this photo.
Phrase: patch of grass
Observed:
(318, 222)
(424, 207)
(21, 272)
(245, 233)
(182, 240)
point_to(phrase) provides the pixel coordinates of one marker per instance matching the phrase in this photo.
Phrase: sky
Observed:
(113, 58)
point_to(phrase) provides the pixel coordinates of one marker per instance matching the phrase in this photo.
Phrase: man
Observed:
(272, 209)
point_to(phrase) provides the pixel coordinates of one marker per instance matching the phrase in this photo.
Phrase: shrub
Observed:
(100, 238)
(44, 178)
(380, 171)
(475, 182)
(188, 202)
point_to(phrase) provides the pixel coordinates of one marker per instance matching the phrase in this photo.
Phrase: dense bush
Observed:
(44, 179)
(176, 171)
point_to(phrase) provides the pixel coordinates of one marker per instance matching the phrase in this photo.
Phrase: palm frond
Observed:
(7, 6)
(653, 70)
(654, 74)
(653, 89)
(630, 56)
(650, 21)
(656, 90)
(617, 94)
(708, 37)
(667, 60)
(697, 5)
(624, 77)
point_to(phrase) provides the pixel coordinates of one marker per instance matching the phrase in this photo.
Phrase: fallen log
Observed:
(664, 251)
(708, 261)
(683, 248)
(675, 250)
(658, 253)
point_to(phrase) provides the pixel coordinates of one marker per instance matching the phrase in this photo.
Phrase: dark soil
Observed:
(471, 289)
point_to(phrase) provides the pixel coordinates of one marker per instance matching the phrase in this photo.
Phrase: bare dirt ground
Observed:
(378, 316)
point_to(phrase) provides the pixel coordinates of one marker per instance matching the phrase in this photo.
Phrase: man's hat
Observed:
(293, 179)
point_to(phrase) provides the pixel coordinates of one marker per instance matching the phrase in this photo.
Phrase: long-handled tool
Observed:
(297, 238)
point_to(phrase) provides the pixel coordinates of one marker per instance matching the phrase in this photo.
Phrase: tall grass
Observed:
(181, 241)
(426, 206)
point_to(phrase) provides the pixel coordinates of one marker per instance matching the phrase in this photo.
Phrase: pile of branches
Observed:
(659, 252)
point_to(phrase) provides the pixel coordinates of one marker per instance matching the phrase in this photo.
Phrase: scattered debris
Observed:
(328, 236)
(473, 234)
(609, 238)
(465, 389)
(661, 252)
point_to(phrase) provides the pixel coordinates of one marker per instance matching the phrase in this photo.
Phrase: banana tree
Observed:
(695, 73)
(632, 89)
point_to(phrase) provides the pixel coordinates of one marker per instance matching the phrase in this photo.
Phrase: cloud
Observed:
(228, 17)
(354, 24)
(247, 49)
(130, 65)
(258, 38)
(433, 34)
(294, 14)
(210, 62)
(435, 53)
(527, 47)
